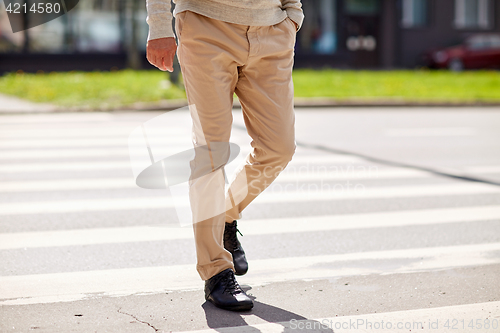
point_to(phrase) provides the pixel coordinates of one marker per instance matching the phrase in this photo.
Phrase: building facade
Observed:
(387, 33)
(99, 34)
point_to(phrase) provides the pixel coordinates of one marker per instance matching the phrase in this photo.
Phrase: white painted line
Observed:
(323, 159)
(430, 132)
(312, 163)
(92, 236)
(68, 185)
(250, 227)
(64, 133)
(48, 118)
(67, 153)
(274, 195)
(92, 120)
(349, 172)
(64, 166)
(325, 172)
(83, 142)
(85, 205)
(294, 175)
(97, 165)
(483, 169)
(82, 132)
(57, 287)
(124, 152)
(313, 168)
(356, 191)
(455, 318)
(372, 220)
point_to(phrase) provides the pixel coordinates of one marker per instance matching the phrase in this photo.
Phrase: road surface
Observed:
(385, 220)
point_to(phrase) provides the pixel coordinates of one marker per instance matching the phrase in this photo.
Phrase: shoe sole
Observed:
(243, 307)
(240, 273)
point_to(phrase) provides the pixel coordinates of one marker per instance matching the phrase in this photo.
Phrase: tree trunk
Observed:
(133, 57)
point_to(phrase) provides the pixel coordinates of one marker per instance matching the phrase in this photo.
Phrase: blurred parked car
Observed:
(477, 51)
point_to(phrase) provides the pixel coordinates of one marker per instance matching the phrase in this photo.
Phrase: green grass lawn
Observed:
(121, 88)
(425, 85)
(91, 89)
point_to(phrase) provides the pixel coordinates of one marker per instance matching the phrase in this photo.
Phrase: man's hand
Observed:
(160, 53)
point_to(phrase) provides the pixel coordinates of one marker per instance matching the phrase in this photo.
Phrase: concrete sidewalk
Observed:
(9, 104)
(14, 105)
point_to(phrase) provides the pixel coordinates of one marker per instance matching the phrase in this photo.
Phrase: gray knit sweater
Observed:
(246, 12)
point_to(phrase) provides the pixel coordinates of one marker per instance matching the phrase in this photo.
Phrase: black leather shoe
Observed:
(224, 292)
(232, 244)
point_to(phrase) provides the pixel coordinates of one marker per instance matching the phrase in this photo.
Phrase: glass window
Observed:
(362, 7)
(473, 14)
(318, 34)
(97, 31)
(495, 42)
(479, 42)
(92, 26)
(9, 42)
(484, 42)
(414, 13)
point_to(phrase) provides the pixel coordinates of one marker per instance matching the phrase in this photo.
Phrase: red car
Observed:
(478, 51)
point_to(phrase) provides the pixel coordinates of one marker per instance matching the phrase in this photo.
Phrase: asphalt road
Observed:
(387, 219)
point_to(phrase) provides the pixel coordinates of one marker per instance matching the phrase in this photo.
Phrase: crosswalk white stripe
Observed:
(67, 116)
(55, 287)
(314, 162)
(349, 191)
(289, 175)
(116, 142)
(80, 132)
(293, 172)
(83, 142)
(436, 319)
(124, 152)
(52, 144)
(98, 165)
(373, 171)
(55, 118)
(484, 168)
(129, 183)
(63, 166)
(430, 131)
(318, 164)
(65, 133)
(68, 184)
(250, 227)
(274, 196)
(78, 153)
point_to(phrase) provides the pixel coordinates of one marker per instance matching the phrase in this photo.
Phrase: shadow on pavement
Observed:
(224, 321)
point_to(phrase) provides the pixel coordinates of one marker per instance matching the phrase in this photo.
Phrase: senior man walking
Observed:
(230, 46)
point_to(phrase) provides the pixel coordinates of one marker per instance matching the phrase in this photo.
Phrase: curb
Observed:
(15, 105)
(169, 105)
(330, 102)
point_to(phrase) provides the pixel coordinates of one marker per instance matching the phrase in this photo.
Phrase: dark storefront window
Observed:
(362, 7)
(318, 34)
(361, 27)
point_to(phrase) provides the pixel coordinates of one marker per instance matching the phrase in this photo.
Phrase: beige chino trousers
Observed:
(218, 59)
